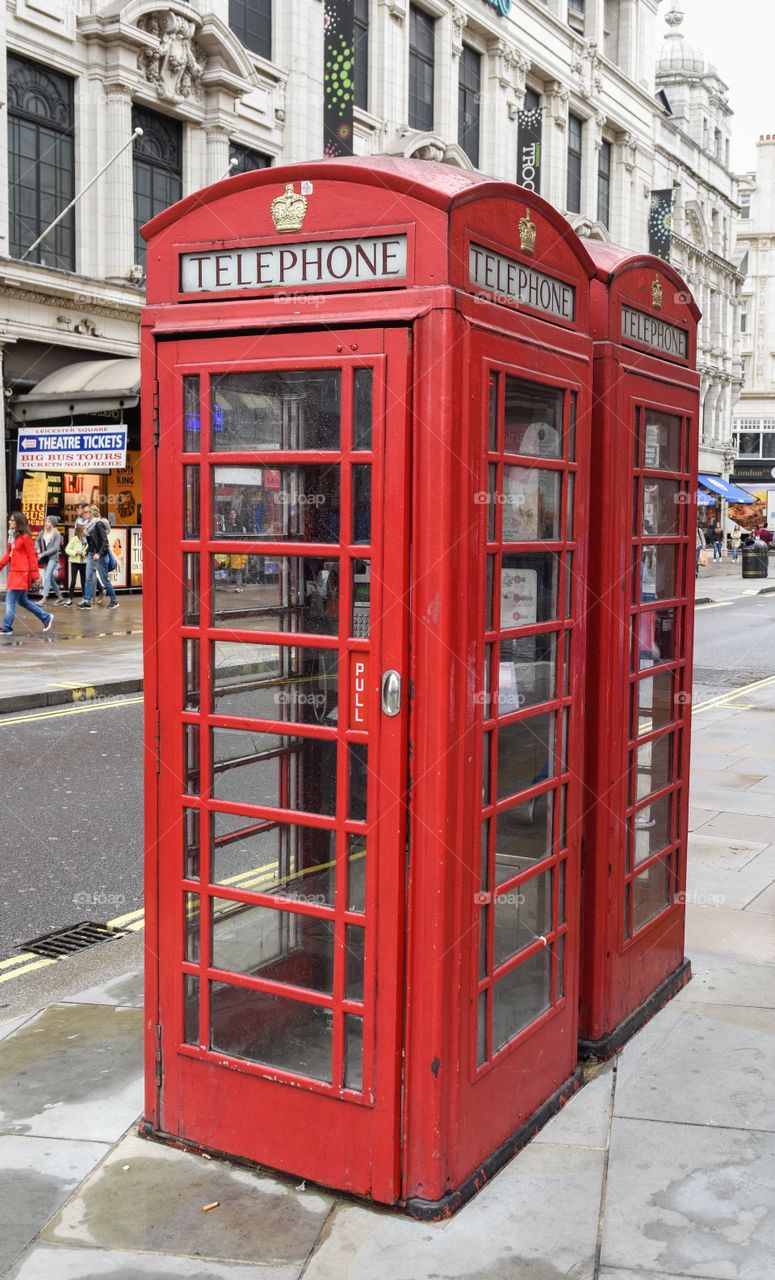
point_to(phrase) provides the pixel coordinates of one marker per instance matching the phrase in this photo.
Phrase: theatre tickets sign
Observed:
(83, 448)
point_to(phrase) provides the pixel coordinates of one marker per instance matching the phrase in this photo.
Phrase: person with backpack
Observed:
(47, 547)
(77, 552)
(23, 571)
(99, 562)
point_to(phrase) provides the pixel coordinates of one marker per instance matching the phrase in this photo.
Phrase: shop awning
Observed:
(90, 386)
(714, 484)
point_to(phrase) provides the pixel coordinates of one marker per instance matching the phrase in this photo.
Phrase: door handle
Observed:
(391, 692)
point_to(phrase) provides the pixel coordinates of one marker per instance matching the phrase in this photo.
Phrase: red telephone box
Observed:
(641, 609)
(367, 411)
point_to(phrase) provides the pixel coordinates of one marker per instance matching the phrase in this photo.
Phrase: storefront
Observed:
(757, 479)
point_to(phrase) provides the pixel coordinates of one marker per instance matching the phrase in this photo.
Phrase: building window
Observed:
(749, 444)
(251, 22)
(422, 31)
(705, 134)
(361, 51)
(576, 15)
(743, 320)
(41, 165)
(468, 103)
(745, 204)
(604, 183)
(247, 159)
(573, 197)
(158, 170)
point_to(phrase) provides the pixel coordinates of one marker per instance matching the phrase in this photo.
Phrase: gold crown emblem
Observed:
(527, 233)
(289, 210)
(656, 293)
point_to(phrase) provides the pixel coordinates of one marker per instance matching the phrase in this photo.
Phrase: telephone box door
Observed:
(282, 532)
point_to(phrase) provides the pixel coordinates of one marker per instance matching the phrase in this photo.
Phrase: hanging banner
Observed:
(124, 490)
(661, 223)
(338, 78)
(80, 448)
(136, 557)
(529, 122)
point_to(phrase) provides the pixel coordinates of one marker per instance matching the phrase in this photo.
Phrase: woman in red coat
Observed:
(24, 570)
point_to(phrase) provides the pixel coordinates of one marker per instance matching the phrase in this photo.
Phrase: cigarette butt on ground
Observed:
(212, 1205)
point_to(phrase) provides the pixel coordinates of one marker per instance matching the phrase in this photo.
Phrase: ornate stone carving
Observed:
(557, 99)
(628, 144)
(176, 64)
(459, 23)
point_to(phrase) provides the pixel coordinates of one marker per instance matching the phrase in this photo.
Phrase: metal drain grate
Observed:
(65, 942)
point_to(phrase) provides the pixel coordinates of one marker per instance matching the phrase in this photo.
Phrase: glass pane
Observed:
(526, 754)
(569, 585)
(662, 451)
(191, 926)
(658, 565)
(190, 1009)
(288, 503)
(191, 758)
(484, 865)
(275, 682)
(354, 941)
(191, 674)
(280, 946)
(527, 672)
(271, 1030)
(483, 966)
(192, 434)
(492, 414)
(650, 893)
(653, 767)
(191, 844)
(654, 702)
(486, 766)
(656, 636)
(361, 477)
(279, 593)
(661, 508)
(561, 893)
(362, 408)
(358, 753)
(520, 996)
(566, 664)
(481, 1029)
(361, 598)
(523, 836)
(570, 451)
(298, 409)
(191, 588)
(492, 500)
(528, 588)
(559, 948)
(488, 592)
(531, 504)
(533, 419)
(280, 858)
(522, 914)
(191, 502)
(651, 828)
(569, 507)
(353, 1052)
(273, 769)
(356, 873)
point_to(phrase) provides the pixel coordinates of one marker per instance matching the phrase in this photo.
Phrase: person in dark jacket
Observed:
(48, 544)
(98, 562)
(23, 571)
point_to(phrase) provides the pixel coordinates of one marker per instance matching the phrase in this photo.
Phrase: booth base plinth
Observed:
(607, 1046)
(448, 1204)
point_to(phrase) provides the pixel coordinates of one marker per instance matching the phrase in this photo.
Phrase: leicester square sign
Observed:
(365, 260)
(82, 448)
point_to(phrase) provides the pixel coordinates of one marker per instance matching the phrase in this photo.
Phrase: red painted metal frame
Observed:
(626, 974)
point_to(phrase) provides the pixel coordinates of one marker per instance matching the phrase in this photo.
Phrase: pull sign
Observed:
(359, 681)
(391, 693)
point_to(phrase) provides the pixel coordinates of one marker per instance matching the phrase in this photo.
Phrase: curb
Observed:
(66, 697)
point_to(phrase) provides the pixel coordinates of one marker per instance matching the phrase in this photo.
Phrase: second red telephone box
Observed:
(641, 600)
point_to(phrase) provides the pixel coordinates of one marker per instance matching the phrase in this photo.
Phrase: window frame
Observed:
(420, 57)
(574, 163)
(252, 35)
(604, 181)
(361, 24)
(142, 159)
(463, 91)
(62, 141)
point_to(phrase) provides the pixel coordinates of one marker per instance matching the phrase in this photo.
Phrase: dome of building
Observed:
(678, 56)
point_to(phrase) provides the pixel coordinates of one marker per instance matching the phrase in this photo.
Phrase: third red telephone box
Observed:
(641, 602)
(367, 410)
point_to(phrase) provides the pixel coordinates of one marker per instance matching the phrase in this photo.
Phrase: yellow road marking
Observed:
(28, 968)
(732, 693)
(713, 604)
(72, 711)
(24, 955)
(121, 921)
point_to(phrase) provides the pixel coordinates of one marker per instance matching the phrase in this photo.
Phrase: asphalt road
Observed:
(71, 790)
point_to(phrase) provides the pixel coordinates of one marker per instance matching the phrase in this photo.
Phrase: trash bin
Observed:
(755, 560)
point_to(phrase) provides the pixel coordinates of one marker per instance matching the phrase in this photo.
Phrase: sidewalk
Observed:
(87, 653)
(662, 1166)
(723, 581)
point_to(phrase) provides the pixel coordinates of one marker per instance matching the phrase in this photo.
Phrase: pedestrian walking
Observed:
(48, 544)
(701, 551)
(77, 552)
(23, 571)
(736, 537)
(98, 563)
(718, 535)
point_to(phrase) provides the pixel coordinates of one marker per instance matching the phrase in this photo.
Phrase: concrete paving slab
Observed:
(73, 1072)
(585, 1118)
(719, 759)
(619, 1273)
(710, 885)
(687, 1200)
(46, 1262)
(148, 1196)
(721, 849)
(717, 980)
(704, 778)
(11, 1024)
(741, 827)
(764, 903)
(724, 931)
(38, 1174)
(536, 1220)
(730, 1049)
(126, 990)
(698, 816)
(731, 800)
